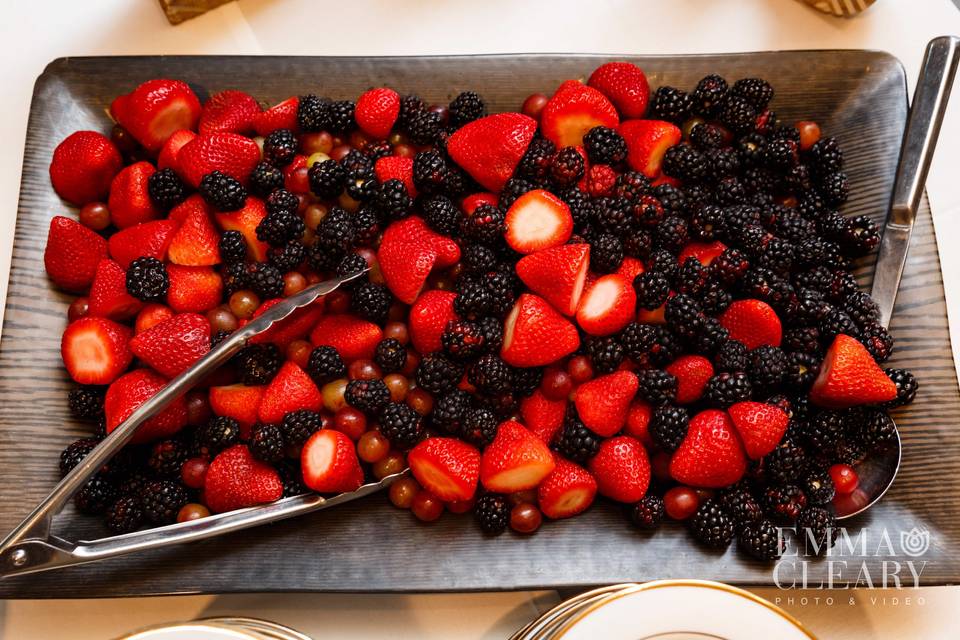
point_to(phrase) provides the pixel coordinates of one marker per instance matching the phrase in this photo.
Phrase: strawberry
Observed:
(558, 274)
(446, 467)
(291, 389)
(849, 376)
(572, 111)
(95, 350)
(414, 229)
(543, 417)
(638, 422)
(353, 338)
(174, 345)
(231, 111)
(761, 426)
(196, 242)
(711, 454)
(630, 268)
(376, 112)
(537, 220)
(704, 252)
(72, 254)
(244, 220)
(752, 322)
(152, 314)
(626, 86)
(603, 402)
(83, 166)
(692, 374)
(490, 148)
(534, 334)
(516, 460)
(239, 402)
(652, 316)
(236, 480)
(607, 306)
(647, 141)
(294, 327)
(405, 266)
(149, 239)
(279, 116)
(108, 293)
(396, 168)
(130, 202)
(622, 469)
(329, 463)
(599, 180)
(171, 149)
(429, 316)
(230, 153)
(196, 289)
(567, 491)
(131, 390)
(474, 200)
(156, 109)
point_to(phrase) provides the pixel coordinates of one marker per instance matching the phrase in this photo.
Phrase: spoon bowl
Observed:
(876, 474)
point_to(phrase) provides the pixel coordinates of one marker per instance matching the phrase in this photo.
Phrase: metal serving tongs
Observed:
(31, 547)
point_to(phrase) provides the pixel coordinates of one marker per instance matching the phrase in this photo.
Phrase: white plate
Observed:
(192, 631)
(681, 610)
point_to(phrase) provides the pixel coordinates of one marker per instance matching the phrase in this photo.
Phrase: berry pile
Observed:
(646, 297)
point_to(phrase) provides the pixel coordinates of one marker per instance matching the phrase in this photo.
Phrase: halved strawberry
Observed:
(236, 480)
(622, 469)
(196, 289)
(294, 327)
(72, 254)
(625, 84)
(711, 455)
(572, 111)
(171, 149)
(849, 376)
(352, 337)
(761, 426)
(108, 293)
(752, 322)
(130, 202)
(131, 390)
(244, 220)
(237, 401)
(279, 116)
(490, 148)
(446, 467)
(704, 252)
(429, 316)
(396, 168)
(377, 111)
(647, 141)
(607, 306)
(196, 242)
(329, 463)
(83, 166)
(542, 416)
(95, 351)
(474, 200)
(291, 389)
(567, 491)
(152, 314)
(516, 460)
(231, 110)
(558, 274)
(150, 239)
(537, 220)
(692, 373)
(405, 266)
(638, 422)
(155, 109)
(230, 153)
(174, 345)
(603, 403)
(534, 334)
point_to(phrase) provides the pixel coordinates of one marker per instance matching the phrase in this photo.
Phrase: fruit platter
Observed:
(614, 319)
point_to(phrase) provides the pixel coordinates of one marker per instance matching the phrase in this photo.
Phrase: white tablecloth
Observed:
(33, 33)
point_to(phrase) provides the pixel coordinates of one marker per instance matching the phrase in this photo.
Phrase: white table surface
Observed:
(32, 33)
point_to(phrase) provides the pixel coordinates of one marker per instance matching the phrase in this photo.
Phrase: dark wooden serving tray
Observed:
(858, 96)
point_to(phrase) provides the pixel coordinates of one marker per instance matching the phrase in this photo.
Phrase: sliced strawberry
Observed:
(236, 480)
(396, 168)
(230, 153)
(543, 417)
(761, 426)
(131, 390)
(572, 111)
(155, 110)
(196, 242)
(130, 202)
(152, 314)
(647, 141)
(429, 316)
(607, 306)
(290, 390)
(516, 460)
(197, 289)
(294, 327)
(83, 166)
(279, 116)
(567, 491)
(490, 148)
(603, 403)
(150, 239)
(446, 467)
(108, 293)
(849, 376)
(711, 454)
(692, 373)
(377, 111)
(231, 111)
(174, 345)
(72, 254)
(95, 351)
(622, 469)
(704, 252)
(245, 220)
(630, 268)
(329, 463)
(353, 338)
(537, 220)
(171, 149)
(558, 274)
(752, 322)
(239, 402)
(638, 422)
(625, 84)
(534, 334)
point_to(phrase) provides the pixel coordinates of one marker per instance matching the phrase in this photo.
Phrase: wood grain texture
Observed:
(858, 96)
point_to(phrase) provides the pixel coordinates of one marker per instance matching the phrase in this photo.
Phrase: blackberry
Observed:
(727, 388)
(536, 160)
(372, 302)
(567, 167)
(218, 434)
(147, 279)
(834, 323)
(350, 264)
(335, 233)
(390, 355)
(514, 188)
(606, 253)
(86, 402)
(711, 335)
(755, 91)
(712, 526)
(663, 262)
(410, 106)
(804, 340)
(732, 356)
(486, 225)
(671, 104)
(236, 276)
(526, 380)
(222, 192)
(477, 258)
(668, 427)
(826, 156)
(834, 188)
(267, 281)
(278, 229)
(424, 127)
(430, 172)
(768, 366)
(463, 340)
(341, 116)
(124, 516)
(826, 429)
(466, 107)
(75, 453)
(492, 330)
(672, 234)
(162, 500)
(802, 369)
(282, 201)
(377, 149)
(761, 540)
(817, 485)
(605, 352)
(279, 147)
(232, 246)
(737, 114)
(392, 199)
(576, 442)
(729, 266)
(367, 395)
(605, 146)
(714, 298)
(478, 425)
(402, 426)
(473, 300)
(786, 463)
(438, 374)
(692, 277)
(685, 163)
(166, 457)
(366, 225)
(906, 387)
(648, 344)
(313, 113)
(862, 308)
(327, 179)
(442, 214)
(264, 179)
(325, 365)
(657, 387)
(450, 409)
(784, 502)
(683, 315)
(96, 495)
(742, 506)
(799, 230)
(707, 223)
(491, 375)
(288, 257)
(819, 529)
(297, 426)
(709, 92)
(492, 512)
(291, 477)
(258, 363)
(612, 215)
(362, 184)
(266, 443)
(638, 243)
(777, 256)
(648, 513)
(166, 189)
(876, 429)
(767, 286)
(849, 452)
(860, 236)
